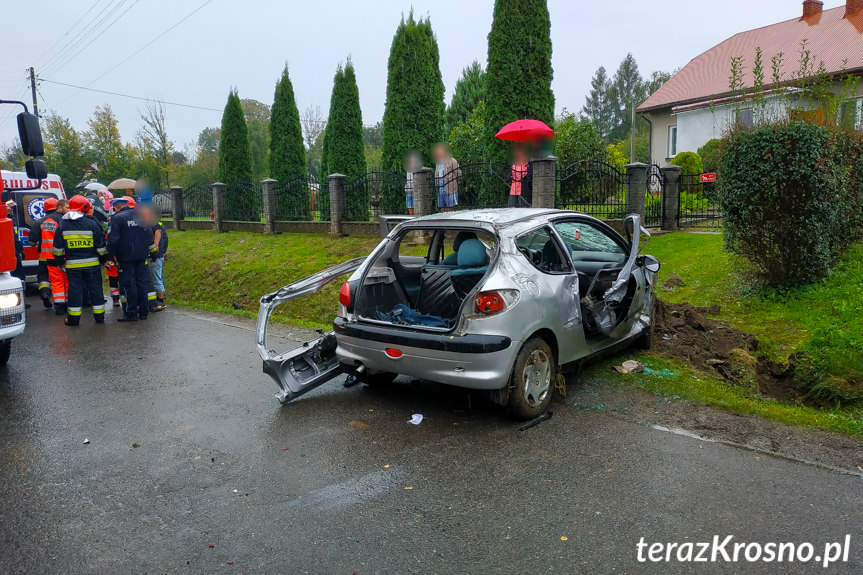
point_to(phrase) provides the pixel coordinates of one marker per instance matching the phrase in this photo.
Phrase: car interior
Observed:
(423, 277)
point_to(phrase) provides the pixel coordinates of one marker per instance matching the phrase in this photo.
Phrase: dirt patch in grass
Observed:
(684, 331)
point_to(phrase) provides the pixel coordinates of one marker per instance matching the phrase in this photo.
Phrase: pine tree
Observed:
(627, 90)
(598, 105)
(343, 140)
(414, 112)
(469, 90)
(287, 151)
(519, 72)
(235, 162)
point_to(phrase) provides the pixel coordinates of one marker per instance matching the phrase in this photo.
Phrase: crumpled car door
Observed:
(313, 363)
(601, 309)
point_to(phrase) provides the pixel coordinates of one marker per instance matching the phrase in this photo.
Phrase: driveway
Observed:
(192, 467)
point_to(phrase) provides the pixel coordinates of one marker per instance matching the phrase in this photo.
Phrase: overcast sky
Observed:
(245, 44)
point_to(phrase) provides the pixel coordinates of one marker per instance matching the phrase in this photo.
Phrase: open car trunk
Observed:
(423, 278)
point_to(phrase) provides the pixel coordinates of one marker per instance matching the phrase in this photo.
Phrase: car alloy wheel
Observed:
(537, 378)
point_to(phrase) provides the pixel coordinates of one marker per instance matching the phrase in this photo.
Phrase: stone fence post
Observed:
(218, 205)
(544, 182)
(423, 204)
(177, 208)
(338, 203)
(636, 188)
(271, 207)
(671, 197)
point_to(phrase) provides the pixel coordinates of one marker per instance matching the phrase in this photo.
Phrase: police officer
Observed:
(79, 243)
(130, 243)
(52, 279)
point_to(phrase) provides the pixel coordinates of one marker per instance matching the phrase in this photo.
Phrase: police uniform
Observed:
(130, 243)
(80, 243)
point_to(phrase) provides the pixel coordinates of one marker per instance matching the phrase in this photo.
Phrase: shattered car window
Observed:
(583, 237)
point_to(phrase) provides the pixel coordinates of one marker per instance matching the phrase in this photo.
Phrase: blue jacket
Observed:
(128, 238)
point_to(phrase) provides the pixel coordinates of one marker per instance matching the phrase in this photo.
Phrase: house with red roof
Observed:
(698, 103)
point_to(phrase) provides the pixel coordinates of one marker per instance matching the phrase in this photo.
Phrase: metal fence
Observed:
(243, 202)
(699, 203)
(653, 197)
(299, 199)
(375, 193)
(594, 188)
(163, 200)
(198, 202)
(473, 186)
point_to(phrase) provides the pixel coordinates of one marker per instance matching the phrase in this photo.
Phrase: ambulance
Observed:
(30, 207)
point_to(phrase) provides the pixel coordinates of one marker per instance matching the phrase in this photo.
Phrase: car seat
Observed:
(472, 266)
(461, 237)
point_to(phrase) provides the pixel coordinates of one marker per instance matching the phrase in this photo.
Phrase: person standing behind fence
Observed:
(412, 163)
(447, 175)
(521, 186)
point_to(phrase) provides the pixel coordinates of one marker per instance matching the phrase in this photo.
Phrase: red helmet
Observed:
(50, 204)
(79, 204)
(130, 200)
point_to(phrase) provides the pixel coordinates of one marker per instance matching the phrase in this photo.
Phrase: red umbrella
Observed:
(525, 130)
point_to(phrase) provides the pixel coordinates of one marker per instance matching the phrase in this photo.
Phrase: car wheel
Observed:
(532, 379)
(645, 339)
(5, 350)
(378, 379)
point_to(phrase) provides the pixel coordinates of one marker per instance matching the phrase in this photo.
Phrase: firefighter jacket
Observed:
(42, 235)
(80, 241)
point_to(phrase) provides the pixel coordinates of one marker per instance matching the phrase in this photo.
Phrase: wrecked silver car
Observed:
(498, 300)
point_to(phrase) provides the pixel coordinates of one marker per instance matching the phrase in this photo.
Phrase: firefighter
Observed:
(53, 286)
(130, 243)
(79, 243)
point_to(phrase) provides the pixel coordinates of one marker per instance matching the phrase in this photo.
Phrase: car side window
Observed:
(542, 250)
(586, 237)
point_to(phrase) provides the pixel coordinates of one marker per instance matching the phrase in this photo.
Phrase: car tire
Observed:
(532, 380)
(645, 339)
(5, 351)
(379, 379)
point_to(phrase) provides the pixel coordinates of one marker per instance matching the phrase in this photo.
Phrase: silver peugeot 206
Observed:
(499, 300)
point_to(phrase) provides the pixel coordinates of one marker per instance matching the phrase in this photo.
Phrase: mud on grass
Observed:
(684, 331)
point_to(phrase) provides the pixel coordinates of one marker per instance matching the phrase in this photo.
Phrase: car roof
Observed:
(500, 217)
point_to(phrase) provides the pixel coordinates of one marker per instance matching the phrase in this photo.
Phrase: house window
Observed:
(851, 114)
(744, 118)
(672, 141)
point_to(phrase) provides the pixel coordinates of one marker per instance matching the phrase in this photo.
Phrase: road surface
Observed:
(192, 467)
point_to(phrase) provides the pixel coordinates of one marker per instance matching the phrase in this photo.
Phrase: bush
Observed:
(689, 162)
(787, 199)
(710, 154)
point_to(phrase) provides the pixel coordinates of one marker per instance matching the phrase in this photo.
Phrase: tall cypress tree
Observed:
(414, 112)
(235, 157)
(345, 152)
(519, 73)
(469, 90)
(323, 188)
(287, 151)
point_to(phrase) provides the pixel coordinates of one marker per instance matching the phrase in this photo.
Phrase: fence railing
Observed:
(299, 199)
(373, 194)
(472, 186)
(243, 202)
(699, 203)
(594, 188)
(198, 202)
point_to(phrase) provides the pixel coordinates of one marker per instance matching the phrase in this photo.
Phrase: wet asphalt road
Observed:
(225, 481)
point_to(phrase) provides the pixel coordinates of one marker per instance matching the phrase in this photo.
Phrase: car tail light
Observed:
(393, 352)
(489, 302)
(345, 295)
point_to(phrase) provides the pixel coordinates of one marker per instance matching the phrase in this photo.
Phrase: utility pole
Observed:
(33, 91)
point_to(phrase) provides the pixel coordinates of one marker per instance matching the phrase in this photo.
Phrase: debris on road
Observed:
(416, 418)
(629, 366)
(536, 420)
(358, 424)
(86, 441)
(136, 445)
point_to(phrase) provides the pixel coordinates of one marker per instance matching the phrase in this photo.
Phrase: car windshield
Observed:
(584, 237)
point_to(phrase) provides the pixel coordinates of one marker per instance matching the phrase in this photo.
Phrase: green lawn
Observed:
(822, 323)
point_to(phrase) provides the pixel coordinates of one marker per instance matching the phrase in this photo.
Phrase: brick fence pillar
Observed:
(671, 197)
(218, 206)
(177, 208)
(423, 204)
(338, 203)
(544, 182)
(636, 188)
(271, 208)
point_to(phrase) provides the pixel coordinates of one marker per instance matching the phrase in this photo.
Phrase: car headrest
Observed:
(472, 254)
(460, 238)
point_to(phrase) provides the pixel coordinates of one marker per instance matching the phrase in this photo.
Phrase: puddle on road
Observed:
(354, 490)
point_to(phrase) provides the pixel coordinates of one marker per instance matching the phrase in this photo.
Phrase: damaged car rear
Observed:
(497, 300)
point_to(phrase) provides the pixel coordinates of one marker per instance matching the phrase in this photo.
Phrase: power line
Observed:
(130, 96)
(82, 34)
(148, 44)
(72, 27)
(101, 32)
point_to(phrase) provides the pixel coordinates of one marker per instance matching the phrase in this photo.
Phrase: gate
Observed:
(373, 194)
(198, 202)
(594, 188)
(165, 203)
(653, 206)
(699, 203)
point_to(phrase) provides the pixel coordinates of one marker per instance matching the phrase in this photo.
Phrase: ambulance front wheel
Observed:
(5, 350)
